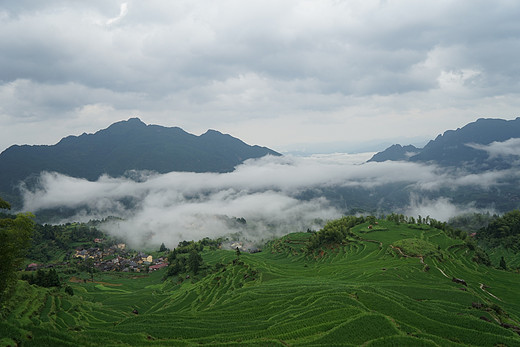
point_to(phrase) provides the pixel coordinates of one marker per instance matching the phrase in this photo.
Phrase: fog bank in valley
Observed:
(266, 192)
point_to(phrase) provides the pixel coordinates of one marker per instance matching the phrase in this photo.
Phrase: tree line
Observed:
(186, 258)
(43, 278)
(502, 231)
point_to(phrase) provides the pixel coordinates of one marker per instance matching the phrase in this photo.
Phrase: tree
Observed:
(173, 255)
(238, 253)
(175, 267)
(43, 279)
(15, 238)
(89, 264)
(194, 261)
(163, 248)
(69, 290)
(503, 263)
(53, 279)
(4, 205)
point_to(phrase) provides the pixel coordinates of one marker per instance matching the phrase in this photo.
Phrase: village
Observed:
(116, 257)
(102, 256)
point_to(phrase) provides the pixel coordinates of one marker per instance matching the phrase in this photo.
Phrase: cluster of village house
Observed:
(115, 258)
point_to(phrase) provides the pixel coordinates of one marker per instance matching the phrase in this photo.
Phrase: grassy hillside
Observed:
(389, 285)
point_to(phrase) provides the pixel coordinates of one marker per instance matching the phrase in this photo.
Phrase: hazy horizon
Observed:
(301, 149)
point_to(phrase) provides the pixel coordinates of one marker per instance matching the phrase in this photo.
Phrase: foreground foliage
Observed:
(15, 237)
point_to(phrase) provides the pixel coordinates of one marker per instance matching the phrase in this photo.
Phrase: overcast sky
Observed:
(308, 75)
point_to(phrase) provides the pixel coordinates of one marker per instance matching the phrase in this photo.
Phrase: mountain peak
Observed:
(395, 152)
(212, 132)
(134, 122)
(451, 149)
(128, 145)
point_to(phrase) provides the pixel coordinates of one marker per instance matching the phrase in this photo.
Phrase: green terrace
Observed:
(384, 284)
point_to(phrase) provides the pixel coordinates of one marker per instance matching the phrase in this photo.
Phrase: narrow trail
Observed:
(485, 291)
(400, 251)
(421, 258)
(442, 272)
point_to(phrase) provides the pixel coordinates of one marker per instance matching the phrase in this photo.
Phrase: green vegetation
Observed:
(503, 231)
(43, 278)
(336, 232)
(15, 234)
(471, 222)
(52, 243)
(417, 247)
(500, 237)
(4, 204)
(370, 286)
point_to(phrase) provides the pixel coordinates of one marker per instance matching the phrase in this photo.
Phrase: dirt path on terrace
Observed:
(421, 258)
(400, 251)
(442, 272)
(79, 280)
(485, 291)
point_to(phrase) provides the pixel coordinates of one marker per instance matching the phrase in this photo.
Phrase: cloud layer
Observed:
(271, 73)
(266, 192)
(509, 148)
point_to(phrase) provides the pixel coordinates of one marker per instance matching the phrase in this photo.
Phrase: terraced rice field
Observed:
(369, 291)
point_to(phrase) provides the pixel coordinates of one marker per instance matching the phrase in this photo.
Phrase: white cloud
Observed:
(266, 192)
(122, 13)
(495, 149)
(441, 209)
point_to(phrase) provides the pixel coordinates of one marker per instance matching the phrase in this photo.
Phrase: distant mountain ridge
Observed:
(127, 145)
(454, 147)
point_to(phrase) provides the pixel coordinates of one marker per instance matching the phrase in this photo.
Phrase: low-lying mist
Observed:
(266, 192)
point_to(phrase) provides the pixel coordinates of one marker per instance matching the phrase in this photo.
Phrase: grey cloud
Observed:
(195, 43)
(321, 71)
(26, 99)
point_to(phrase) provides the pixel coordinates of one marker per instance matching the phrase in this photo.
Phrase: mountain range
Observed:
(480, 146)
(123, 146)
(463, 146)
